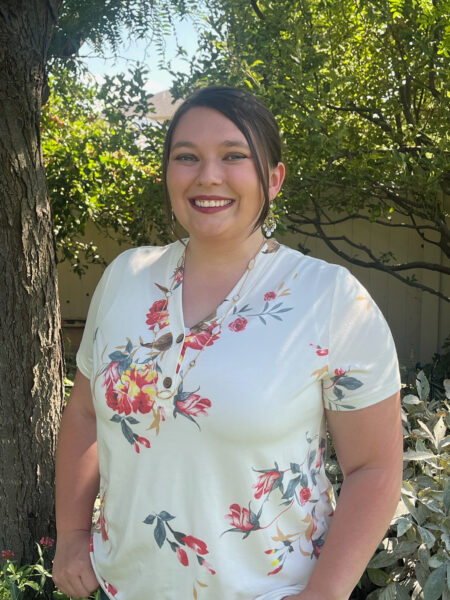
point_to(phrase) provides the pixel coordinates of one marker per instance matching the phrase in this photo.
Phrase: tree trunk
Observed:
(31, 366)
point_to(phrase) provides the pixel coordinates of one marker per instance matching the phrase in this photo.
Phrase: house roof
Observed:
(164, 105)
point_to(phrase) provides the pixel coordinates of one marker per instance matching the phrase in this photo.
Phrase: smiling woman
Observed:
(212, 180)
(207, 373)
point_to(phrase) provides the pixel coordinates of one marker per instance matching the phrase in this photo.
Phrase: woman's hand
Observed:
(72, 570)
(77, 483)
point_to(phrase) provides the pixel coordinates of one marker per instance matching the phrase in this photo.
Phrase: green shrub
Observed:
(413, 560)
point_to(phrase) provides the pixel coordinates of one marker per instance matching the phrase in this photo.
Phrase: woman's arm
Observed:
(77, 480)
(368, 445)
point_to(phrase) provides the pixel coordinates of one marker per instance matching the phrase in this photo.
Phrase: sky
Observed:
(141, 51)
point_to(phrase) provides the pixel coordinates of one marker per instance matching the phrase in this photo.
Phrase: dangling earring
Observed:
(270, 222)
(172, 222)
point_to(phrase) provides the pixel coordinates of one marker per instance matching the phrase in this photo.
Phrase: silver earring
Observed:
(270, 222)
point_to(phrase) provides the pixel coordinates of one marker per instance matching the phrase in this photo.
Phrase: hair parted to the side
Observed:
(251, 117)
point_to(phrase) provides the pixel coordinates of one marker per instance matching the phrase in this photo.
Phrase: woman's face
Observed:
(212, 179)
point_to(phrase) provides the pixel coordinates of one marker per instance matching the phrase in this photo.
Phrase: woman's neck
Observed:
(209, 256)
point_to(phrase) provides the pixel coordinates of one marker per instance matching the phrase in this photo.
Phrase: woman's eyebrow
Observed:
(227, 143)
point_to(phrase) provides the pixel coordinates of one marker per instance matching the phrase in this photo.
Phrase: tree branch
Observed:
(257, 10)
(361, 263)
(366, 114)
(355, 216)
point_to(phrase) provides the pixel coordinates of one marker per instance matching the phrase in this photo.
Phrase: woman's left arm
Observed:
(368, 444)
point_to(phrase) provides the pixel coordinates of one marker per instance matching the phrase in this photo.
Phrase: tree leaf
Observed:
(403, 524)
(411, 400)
(414, 455)
(446, 498)
(383, 559)
(378, 577)
(389, 593)
(422, 385)
(439, 432)
(434, 585)
(427, 537)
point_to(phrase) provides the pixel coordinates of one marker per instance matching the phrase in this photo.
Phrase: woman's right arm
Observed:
(77, 482)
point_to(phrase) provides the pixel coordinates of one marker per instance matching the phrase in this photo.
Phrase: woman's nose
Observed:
(210, 172)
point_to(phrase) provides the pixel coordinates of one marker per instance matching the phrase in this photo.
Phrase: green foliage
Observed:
(19, 582)
(361, 91)
(102, 157)
(415, 555)
(106, 24)
(15, 580)
(413, 560)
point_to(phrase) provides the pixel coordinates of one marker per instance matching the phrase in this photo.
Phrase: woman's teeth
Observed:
(211, 203)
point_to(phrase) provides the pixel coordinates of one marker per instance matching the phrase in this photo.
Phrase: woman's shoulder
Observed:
(134, 260)
(312, 265)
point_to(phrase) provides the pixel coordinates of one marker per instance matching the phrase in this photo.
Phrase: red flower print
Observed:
(194, 405)
(319, 457)
(305, 495)
(320, 351)
(317, 546)
(135, 392)
(110, 588)
(239, 517)
(268, 296)
(275, 571)
(7, 554)
(271, 551)
(238, 324)
(102, 523)
(144, 441)
(198, 339)
(209, 567)
(158, 315)
(178, 277)
(196, 544)
(265, 483)
(46, 542)
(140, 440)
(182, 556)
(112, 375)
(339, 372)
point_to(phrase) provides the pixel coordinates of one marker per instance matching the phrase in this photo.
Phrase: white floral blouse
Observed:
(215, 488)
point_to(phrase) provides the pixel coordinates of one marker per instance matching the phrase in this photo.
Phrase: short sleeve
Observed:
(363, 365)
(84, 356)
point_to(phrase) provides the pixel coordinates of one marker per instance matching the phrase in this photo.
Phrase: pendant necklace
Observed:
(169, 394)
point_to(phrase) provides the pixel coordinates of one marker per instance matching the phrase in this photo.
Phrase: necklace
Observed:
(214, 331)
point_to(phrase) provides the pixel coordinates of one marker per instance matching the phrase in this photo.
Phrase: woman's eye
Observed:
(235, 156)
(185, 158)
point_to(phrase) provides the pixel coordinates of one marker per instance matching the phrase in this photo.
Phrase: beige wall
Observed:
(420, 322)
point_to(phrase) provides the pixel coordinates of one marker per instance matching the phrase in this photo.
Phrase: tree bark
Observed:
(31, 365)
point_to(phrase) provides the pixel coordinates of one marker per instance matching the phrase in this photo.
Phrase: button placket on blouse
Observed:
(170, 379)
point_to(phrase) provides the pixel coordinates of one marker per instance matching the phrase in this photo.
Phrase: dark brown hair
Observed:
(251, 117)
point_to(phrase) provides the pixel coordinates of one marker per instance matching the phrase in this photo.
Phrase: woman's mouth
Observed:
(210, 204)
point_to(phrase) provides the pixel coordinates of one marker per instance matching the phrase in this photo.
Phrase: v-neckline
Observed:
(222, 306)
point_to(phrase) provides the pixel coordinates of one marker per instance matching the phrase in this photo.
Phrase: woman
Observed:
(206, 373)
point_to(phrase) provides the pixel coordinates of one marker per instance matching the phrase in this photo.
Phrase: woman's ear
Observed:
(276, 179)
